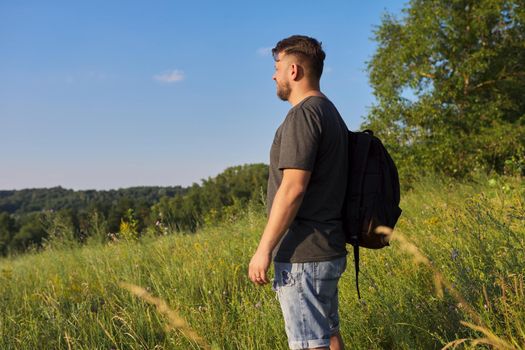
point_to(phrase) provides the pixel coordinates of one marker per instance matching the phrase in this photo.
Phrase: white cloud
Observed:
(171, 76)
(264, 51)
(328, 69)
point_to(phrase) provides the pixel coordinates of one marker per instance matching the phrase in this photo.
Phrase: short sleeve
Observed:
(300, 138)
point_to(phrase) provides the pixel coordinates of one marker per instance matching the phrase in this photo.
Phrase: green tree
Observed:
(215, 199)
(7, 230)
(60, 229)
(31, 233)
(449, 81)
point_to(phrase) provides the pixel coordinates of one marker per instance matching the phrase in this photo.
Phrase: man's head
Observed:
(298, 59)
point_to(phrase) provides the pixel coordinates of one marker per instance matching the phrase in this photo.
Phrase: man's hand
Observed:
(259, 267)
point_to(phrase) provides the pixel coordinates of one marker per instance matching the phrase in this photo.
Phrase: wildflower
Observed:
(258, 305)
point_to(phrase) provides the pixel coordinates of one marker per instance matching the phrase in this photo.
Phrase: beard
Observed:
(284, 91)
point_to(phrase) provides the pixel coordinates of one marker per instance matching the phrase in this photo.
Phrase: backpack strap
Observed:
(356, 264)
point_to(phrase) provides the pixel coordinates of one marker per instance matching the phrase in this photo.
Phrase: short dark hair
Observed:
(308, 49)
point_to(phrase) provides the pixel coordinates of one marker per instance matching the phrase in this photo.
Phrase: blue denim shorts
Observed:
(308, 296)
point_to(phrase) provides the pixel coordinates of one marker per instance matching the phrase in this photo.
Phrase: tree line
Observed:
(32, 218)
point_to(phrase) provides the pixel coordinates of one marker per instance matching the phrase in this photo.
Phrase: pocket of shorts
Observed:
(331, 269)
(327, 276)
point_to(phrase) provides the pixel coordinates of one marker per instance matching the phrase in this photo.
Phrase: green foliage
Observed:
(216, 199)
(449, 79)
(96, 228)
(472, 232)
(88, 212)
(60, 230)
(129, 227)
(57, 216)
(7, 231)
(57, 198)
(30, 235)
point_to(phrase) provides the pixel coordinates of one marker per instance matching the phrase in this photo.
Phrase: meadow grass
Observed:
(453, 276)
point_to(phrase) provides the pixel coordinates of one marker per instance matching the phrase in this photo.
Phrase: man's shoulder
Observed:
(317, 111)
(322, 110)
(319, 106)
(304, 110)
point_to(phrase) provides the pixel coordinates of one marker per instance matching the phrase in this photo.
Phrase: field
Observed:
(454, 275)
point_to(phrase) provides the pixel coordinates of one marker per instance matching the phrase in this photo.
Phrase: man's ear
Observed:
(296, 71)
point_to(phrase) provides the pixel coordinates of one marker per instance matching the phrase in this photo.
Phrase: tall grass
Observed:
(472, 234)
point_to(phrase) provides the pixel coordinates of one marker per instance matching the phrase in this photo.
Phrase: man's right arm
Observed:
(285, 205)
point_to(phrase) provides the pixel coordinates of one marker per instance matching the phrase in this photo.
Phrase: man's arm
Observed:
(285, 205)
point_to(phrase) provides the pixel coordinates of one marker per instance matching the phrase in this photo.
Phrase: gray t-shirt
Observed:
(312, 137)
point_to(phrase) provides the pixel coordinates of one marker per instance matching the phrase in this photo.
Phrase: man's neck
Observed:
(297, 96)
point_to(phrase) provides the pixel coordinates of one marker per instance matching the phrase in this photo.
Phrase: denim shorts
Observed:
(308, 296)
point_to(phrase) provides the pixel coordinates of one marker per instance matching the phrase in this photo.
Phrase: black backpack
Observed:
(372, 195)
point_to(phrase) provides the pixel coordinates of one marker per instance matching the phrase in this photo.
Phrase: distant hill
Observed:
(28, 216)
(57, 198)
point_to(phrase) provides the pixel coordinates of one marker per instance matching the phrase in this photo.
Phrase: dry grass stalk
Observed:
(66, 336)
(454, 343)
(491, 338)
(174, 320)
(440, 281)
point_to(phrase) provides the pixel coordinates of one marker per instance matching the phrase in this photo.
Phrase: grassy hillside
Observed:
(458, 257)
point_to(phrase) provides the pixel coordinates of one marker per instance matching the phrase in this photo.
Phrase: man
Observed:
(306, 188)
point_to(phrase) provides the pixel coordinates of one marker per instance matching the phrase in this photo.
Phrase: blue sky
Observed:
(111, 94)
